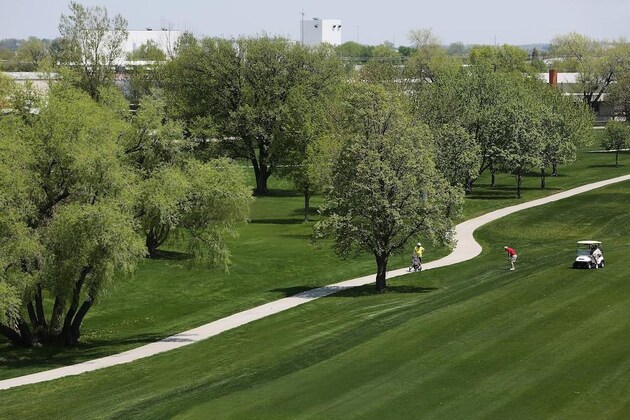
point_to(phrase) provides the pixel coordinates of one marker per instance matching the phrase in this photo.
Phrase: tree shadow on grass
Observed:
(171, 256)
(277, 221)
(312, 212)
(53, 356)
(370, 290)
(504, 193)
(311, 292)
(280, 193)
(294, 290)
(612, 165)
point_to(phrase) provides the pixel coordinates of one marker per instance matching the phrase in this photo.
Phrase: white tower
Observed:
(317, 31)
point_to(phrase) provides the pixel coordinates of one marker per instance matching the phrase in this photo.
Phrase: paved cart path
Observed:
(466, 249)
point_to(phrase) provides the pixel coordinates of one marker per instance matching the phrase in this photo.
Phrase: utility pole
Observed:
(302, 28)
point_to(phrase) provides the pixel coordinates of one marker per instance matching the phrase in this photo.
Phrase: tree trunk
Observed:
(155, 238)
(307, 200)
(381, 271)
(554, 169)
(542, 179)
(261, 181)
(468, 187)
(25, 333)
(39, 307)
(55, 318)
(75, 330)
(151, 244)
(67, 332)
(14, 336)
(264, 171)
(492, 177)
(519, 181)
(617, 158)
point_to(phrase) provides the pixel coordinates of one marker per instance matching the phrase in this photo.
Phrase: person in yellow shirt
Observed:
(416, 257)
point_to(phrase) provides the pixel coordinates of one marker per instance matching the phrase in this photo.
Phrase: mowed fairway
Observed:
(469, 341)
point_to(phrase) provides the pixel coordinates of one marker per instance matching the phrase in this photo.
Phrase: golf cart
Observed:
(589, 255)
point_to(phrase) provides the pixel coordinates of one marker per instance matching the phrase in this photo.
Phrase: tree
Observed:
(70, 228)
(566, 125)
(458, 155)
(617, 138)
(17, 244)
(620, 90)
(385, 188)
(238, 90)
(306, 123)
(597, 63)
(352, 53)
(149, 51)
(91, 44)
(32, 52)
(505, 58)
(207, 200)
(428, 58)
(536, 60)
(518, 132)
(457, 49)
(174, 185)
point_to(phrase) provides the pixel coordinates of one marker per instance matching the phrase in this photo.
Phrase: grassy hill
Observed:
(468, 341)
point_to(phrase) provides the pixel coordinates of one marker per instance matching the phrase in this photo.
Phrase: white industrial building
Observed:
(317, 31)
(164, 39)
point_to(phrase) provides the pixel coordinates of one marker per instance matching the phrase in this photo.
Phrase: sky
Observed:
(366, 22)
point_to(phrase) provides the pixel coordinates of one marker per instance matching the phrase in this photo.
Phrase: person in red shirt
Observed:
(511, 256)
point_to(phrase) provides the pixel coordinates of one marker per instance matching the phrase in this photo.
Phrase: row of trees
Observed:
(88, 187)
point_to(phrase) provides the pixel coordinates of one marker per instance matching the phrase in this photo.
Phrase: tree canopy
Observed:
(237, 91)
(91, 43)
(79, 185)
(385, 189)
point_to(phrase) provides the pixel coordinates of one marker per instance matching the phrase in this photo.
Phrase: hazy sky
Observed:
(368, 22)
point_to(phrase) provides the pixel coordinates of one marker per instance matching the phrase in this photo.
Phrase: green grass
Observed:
(272, 258)
(468, 341)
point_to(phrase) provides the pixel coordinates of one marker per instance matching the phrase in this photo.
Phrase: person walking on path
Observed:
(418, 250)
(416, 258)
(511, 256)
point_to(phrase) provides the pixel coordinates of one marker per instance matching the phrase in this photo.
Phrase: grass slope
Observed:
(272, 259)
(469, 341)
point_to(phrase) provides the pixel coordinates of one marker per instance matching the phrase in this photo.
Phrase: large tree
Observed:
(207, 200)
(238, 90)
(505, 58)
(385, 189)
(177, 190)
(91, 43)
(597, 63)
(70, 229)
(566, 125)
(518, 134)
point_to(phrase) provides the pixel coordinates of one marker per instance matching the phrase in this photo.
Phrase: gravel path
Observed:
(466, 249)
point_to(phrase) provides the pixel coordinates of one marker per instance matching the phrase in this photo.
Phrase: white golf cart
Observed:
(589, 255)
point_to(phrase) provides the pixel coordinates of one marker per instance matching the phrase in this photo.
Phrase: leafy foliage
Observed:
(91, 43)
(385, 188)
(617, 138)
(237, 90)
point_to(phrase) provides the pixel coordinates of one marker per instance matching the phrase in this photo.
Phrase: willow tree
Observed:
(385, 188)
(70, 229)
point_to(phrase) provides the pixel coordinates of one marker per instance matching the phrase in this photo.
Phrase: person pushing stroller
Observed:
(416, 258)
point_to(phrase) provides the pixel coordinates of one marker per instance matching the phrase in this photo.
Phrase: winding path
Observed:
(466, 249)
